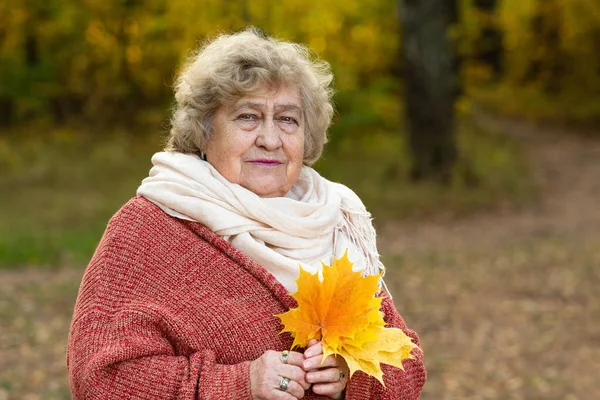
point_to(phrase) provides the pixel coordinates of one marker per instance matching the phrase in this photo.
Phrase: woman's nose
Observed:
(269, 136)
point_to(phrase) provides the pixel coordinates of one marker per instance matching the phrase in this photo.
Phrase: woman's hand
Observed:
(330, 377)
(267, 372)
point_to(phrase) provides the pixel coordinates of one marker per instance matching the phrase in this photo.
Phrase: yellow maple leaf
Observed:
(344, 314)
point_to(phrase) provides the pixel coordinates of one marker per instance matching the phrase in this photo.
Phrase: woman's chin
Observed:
(268, 190)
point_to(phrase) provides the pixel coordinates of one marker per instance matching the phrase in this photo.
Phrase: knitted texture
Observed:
(169, 310)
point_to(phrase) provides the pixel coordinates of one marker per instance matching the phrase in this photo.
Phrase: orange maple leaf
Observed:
(344, 314)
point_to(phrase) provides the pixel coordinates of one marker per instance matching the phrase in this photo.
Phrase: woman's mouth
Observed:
(265, 162)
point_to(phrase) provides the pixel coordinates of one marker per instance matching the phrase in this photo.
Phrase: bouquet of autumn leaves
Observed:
(344, 314)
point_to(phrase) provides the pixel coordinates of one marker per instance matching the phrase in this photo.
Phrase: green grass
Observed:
(60, 189)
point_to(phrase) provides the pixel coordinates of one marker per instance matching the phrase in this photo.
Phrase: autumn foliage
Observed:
(343, 312)
(101, 60)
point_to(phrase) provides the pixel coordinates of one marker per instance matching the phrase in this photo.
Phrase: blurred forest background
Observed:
(470, 128)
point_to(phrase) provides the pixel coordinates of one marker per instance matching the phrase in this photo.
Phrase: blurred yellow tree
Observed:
(110, 62)
(101, 60)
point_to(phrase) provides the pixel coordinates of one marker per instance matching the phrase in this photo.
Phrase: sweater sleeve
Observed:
(399, 385)
(130, 355)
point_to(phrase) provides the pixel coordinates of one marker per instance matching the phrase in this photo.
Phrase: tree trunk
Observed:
(430, 86)
(7, 111)
(489, 47)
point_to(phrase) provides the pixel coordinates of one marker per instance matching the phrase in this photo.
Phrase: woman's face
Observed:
(258, 142)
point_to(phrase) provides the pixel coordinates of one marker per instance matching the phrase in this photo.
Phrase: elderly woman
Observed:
(179, 299)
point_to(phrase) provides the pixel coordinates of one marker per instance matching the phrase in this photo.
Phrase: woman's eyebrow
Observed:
(289, 106)
(246, 104)
(260, 106)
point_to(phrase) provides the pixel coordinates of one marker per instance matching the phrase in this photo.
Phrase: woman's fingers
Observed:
(330, 382)
(326, 375)
(333, 390)
(294, 389)
(314, 357)
(293, 369)
(329, 376)
(293, 358)
(296, 374)
(314, 348)
(318, 362)
(267, 375)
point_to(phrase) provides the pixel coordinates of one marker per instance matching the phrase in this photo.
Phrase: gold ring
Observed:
(284, 356)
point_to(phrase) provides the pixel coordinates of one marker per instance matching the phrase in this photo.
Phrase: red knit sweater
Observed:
(169, 310)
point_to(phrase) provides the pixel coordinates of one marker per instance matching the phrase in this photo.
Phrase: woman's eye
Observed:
(289, 120)
(247, 117)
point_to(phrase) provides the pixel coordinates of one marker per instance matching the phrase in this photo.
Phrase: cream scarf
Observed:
(315, 221)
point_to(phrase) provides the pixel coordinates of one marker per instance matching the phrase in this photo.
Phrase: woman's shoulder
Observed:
(137, 254)
(141, 228)
(140, 216)
(138, 208)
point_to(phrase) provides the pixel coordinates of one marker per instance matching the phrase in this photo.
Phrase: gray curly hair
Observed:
(233, 66)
